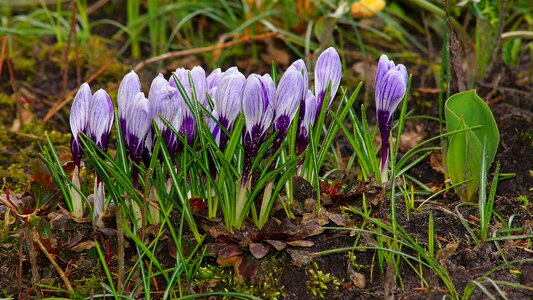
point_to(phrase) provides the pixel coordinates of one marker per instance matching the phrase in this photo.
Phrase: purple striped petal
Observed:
(79, 119)
(164, 107)
(129, 87)
(307, 122)
(328, 69)
(139, 116)
(288, 97)
(257, 110)
(228, 104)
(101, 115)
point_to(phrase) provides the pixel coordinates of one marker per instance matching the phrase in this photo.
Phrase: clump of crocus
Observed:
(390, 88)
(79, 121)
(101, 115)
(165, 108)
(328, 71)
(257, 97)
(227, 108)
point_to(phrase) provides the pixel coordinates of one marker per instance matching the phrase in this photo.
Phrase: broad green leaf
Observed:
(470, 115)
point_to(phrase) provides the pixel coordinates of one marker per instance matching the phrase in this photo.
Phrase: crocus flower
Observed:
(328, 70)
(309, 108)
(79, 120)
(139, 122)
(163, 107)
(186, 119)
(257, 108)
(227, 105)
(129, 87)
(390, 88)
(288, 97)
(101, 115)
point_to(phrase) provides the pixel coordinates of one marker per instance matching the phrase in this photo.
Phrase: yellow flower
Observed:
(367, 8)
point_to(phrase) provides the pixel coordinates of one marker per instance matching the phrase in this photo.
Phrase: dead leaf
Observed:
(301, 243)
(83, 246)
(301, 258)
(435, 161)
(258, 250)
(358, 279)
(367, 8)
(278, 245)
(448, 251)
(337, 219)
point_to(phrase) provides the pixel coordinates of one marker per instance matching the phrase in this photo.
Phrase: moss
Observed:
(266, 285)
(84, 285)
(319, 283)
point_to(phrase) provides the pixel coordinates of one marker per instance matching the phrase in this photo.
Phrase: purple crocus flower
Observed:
(390, 88)
(258, 113)
(164, 107)
(309, 107)
(227, 105)
(129, 87)
(328, 69)
(139, 122)
(139, 116)
(186, 119)
(101, 115)
(79, 120)
(288, 97)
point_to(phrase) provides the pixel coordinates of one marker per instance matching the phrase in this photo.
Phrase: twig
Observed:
(181, 53)
(35, 277)
(3, 54)
(120, 246)
(70, 95)
(36, 239)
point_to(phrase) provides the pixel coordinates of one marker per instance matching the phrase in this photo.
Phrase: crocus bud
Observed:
(227, 105)
(258, 113)
(328, 69)
(302, 139)
(164, 107)
(129, 87)
(187, 122)
(139, 116)
(288, 96)
(79, 120)
(101, 115)
(213, 78)
(300, 66)
(390, 88)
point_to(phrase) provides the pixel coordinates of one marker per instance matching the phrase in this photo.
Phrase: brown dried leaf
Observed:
(301, 243)
(258, 250)
(358, 279)
(448, 251)
(229, 261)
(435, 161)
(301, 258)
(83, 246)
(279, 245)
(337, 219)
(229, 251)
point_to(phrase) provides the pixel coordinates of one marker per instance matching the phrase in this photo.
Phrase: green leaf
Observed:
(469, 114)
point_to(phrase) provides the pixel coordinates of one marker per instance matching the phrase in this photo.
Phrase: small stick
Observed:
(181, 53)
(3, 54)
(36, 239)
(35, 277)
(59, 105)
